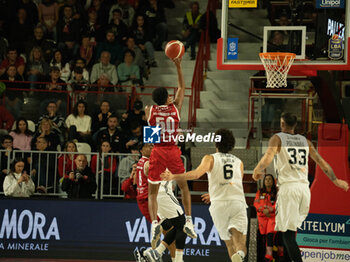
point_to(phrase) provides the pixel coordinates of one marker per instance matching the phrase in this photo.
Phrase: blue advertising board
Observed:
(330, 4)
(232, 48)
(92, 230)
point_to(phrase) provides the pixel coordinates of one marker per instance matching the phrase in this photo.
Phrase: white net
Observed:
(277, 66)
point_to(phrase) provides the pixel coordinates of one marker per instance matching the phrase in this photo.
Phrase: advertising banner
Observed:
(330, 4)
(243, 4)
(91, 229)
(232, 48)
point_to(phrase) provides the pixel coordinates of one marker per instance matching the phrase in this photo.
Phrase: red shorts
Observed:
(163, 157)
(267, 225)
(143, 206)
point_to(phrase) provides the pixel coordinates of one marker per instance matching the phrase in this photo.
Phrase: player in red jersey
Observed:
(166, 154)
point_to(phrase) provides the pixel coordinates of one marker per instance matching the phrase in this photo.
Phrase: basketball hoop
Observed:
(277, 66)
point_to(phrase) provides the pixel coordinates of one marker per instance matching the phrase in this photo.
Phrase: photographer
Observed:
(18, 183)
(81, 182)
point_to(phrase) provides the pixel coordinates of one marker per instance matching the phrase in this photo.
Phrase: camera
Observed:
(78, 175)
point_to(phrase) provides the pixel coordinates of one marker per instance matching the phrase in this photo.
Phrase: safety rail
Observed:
(49, 168)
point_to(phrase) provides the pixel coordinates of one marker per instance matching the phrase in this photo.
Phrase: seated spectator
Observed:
(31, 10)
(111, 46)
(78, 83)
(134, 136)
(18, 183)
(127, 71)
(57, 120)
(92, 29)
(156, 22)
(22, 136)
(129, 184)
(87, 50)
(12, 59)
(6, 144)
(112, 134)
(47, 130)
(277, 43)
(104, 67)
(139, 59)
(118, 27)
(143, 39)
(68, 33)
(66, 162)
(102, 9)
(37, 68)
(100, 119)
(127, 12)
(80, 62)
(14, 98)
(191, 28)
(43, 166)
(106, 163)
(64, 67)
(79, 124)
(80, 183)
(6, 121)
(136, 115)
(126, 164)
(38, 39)
(79, 13)
(48, 17)
(20, 31)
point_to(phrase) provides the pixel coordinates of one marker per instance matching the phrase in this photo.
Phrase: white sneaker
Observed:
(156, 230)
(152, 255)
(236, 258)
(189, 229)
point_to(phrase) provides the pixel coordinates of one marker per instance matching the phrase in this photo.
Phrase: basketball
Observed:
(2, 87)
(174, 49)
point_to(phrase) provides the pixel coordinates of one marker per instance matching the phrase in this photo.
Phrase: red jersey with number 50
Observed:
(168, 118)
(141, 179)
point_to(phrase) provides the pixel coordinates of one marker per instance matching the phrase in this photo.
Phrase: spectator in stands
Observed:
(46, 129)
(92, 29)
(106, 163)
(129, 184)
(143, 39)
(31, 10)
(112, 134)
(102, 9)
(79, 123)
(18, 183)
(136, 115)
(118, 27)
(78, 83)
(86, 50)
(277, 43)
(14, 98)
(68, 33)
(80, 62)
(48, 17)
(47, 46)
(127, 12)
(112, 47)
(6, 121)
(126, 164)
(265, 204)
(80, 183)
(22, 136)
(191, 28)
(79, 12)
(12, 59)
(139, 59)
(20, 31)
(156, 22)
(5, 157)
(134, 136)
(62, 65)
(99, 120)
(66, 162)
(37, 68)
(57, 120)
(128, 73)
(104, 67)
(43, 166)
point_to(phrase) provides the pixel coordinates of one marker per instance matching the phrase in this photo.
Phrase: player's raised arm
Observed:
(326, 168)
(265, 161)
(147, 111)
(205, 166)
(180, 92)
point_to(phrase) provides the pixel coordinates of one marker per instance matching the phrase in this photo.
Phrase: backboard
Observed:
(317, 31)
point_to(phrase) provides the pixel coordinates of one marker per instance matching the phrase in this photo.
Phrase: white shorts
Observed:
(229, 214)
(168, 205)
(292, 206)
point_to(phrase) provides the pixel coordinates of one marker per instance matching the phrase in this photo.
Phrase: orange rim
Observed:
(267, 55)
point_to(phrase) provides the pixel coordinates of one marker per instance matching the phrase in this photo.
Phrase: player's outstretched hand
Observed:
(257, 175)
(205, 198)
(177, 61)
(167, 175)
(342, 184)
